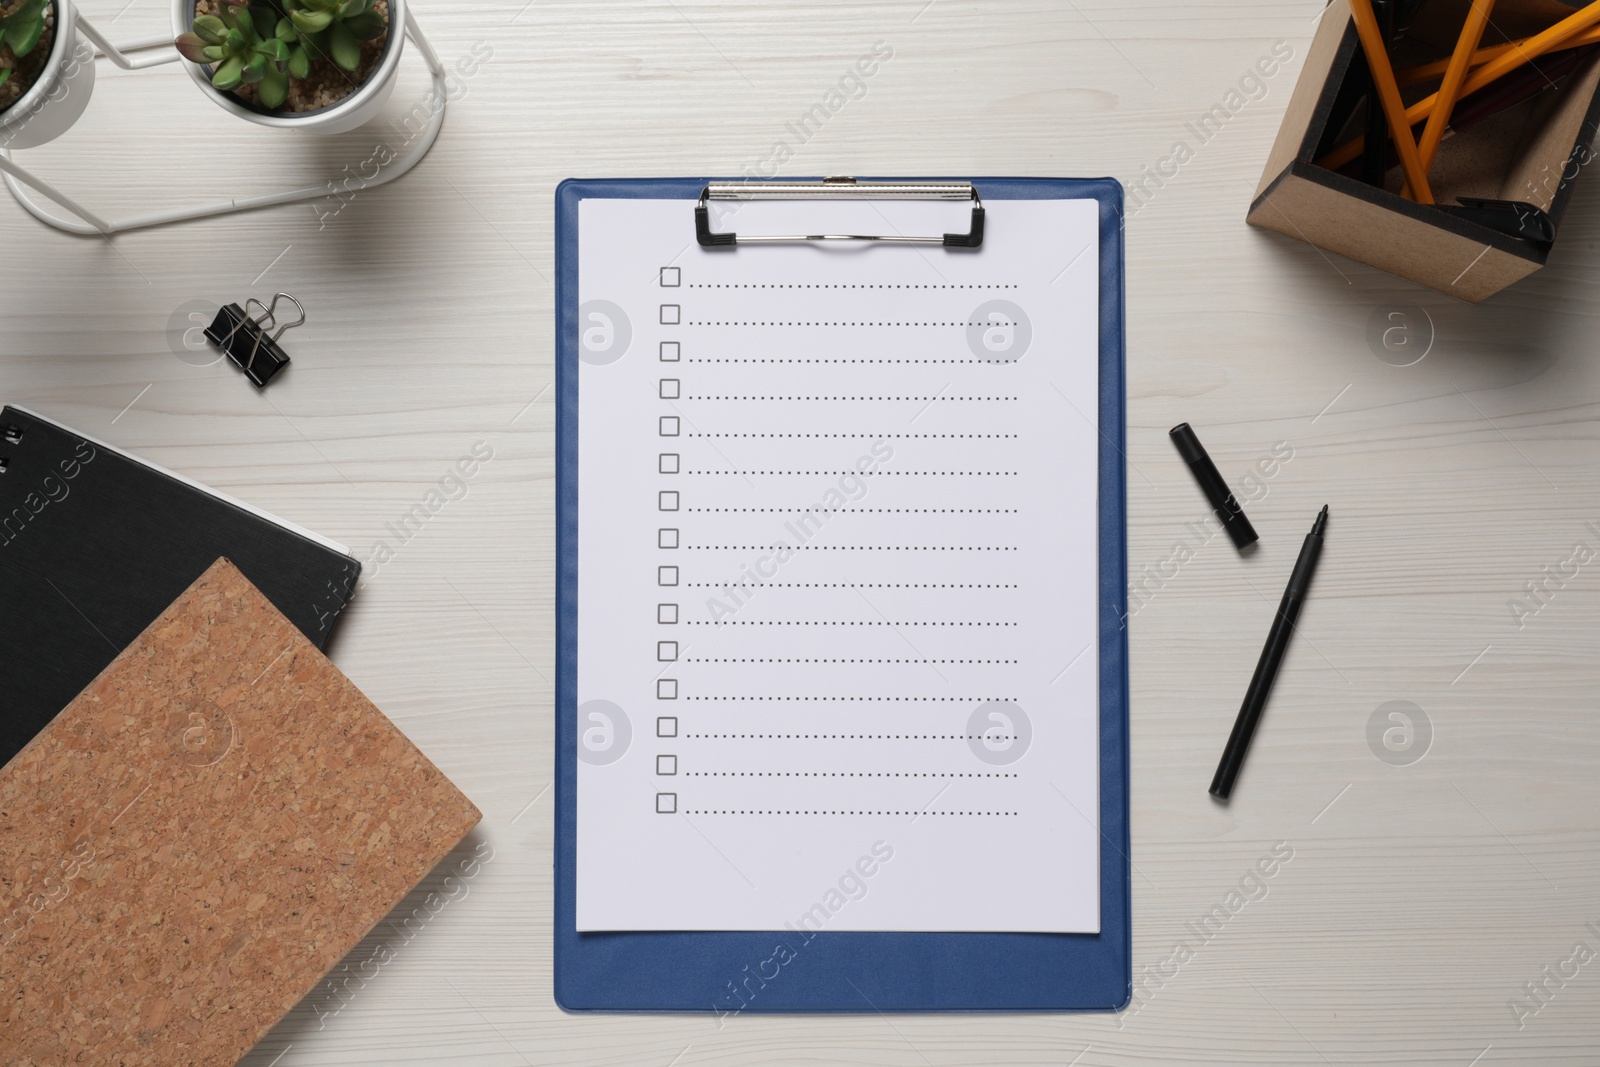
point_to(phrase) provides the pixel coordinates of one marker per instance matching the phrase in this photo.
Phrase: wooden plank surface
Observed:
(1421, 896)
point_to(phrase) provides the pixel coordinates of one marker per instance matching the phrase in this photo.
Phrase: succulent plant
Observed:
(20, 30)
(299, 46)
(241, 54)
(335, 28)
(270, 43)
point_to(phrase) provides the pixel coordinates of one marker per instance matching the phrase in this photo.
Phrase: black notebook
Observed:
(94, 544)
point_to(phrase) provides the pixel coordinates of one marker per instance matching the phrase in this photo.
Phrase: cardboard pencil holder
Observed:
(1530, 153)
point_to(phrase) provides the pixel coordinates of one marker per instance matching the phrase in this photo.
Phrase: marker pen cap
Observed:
(1217, 492)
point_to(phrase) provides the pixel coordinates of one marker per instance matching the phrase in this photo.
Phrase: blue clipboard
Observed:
(848, 972)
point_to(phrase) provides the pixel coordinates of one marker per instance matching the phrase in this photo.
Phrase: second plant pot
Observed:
(60, 93)
(359, 107)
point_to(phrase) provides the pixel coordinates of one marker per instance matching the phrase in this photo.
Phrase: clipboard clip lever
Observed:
(839, 188)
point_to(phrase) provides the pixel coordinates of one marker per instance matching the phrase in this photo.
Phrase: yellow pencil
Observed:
(1454, 76)
(1532, 48)
(1388, 94)
(1426, 71)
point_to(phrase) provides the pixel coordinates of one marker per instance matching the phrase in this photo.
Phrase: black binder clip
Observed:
(243, 337)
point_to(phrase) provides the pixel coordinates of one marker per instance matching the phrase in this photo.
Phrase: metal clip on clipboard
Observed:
(838, 189)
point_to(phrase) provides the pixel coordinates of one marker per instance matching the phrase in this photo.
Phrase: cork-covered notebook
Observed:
(199, 837)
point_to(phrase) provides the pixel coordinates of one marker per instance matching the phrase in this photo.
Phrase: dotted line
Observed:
(873, 435)
(845, 774)
(824, 811)
(854, 737)
(709, 659)
(867, 548)
(852, 585)
(896, 700)
(693, 359)
(833, 322)
(868, 622)
(875, 474)
(883, 511)
(707, 396)
(840, 285)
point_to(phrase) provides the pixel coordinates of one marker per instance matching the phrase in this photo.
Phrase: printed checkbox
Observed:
(670, 388)
(666, 689)
(667, 614)
(666, 576)
(666, 803)
(667, 537)
(671, 277)
(671, 314)
(668, 463)
(670, 351)
(667, 499)
(666, 764)
(666, 726)
(667, 651)
(669, 425)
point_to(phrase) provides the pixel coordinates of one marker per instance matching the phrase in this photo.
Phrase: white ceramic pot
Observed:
(360, 107)
(53, 103)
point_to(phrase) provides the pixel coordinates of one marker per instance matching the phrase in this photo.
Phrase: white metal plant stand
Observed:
(87, 222)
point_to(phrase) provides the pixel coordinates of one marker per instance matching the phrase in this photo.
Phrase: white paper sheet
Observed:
(837, 611)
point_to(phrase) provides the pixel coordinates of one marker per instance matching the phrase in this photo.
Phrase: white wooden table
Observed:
(1422, 895)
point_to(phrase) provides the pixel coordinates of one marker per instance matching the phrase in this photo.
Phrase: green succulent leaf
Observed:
(285, 31)
(365, 26)
(274, 50)
(343, 47)
(235, 41)
(299, 63)
(274, 88)
(23, 36)
(229, 74)
(19, 24)
(210, 29)
(245, 24)
(311, 21)
(194, 48)
(214, 54)
(256, 69)
(351, 8)
(5, 72)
